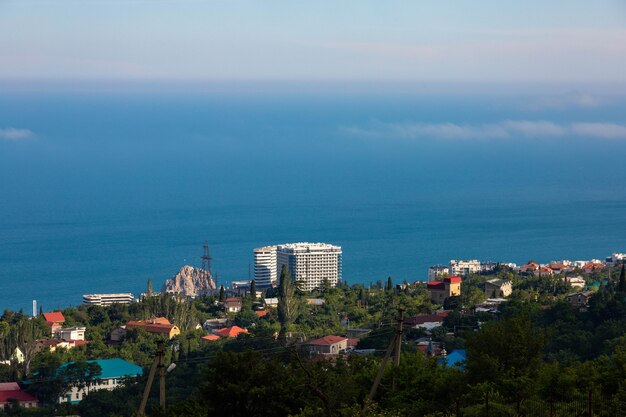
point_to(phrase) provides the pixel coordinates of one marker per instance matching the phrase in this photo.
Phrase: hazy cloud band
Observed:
(506, 129)
(12, 133)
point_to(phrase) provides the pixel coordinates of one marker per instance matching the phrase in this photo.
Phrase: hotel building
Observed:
(107, 299)
(265, 273)
(309, 263)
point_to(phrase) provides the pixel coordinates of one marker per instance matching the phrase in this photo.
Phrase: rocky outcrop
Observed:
(191, 282)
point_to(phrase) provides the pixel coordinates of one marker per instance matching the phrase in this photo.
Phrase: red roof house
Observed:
(55, 320)
(261, 313)
(211, 337)
(328, 345)
(529, 267)
(232, 331)
(9, 386)
(447, 287)
(158, 325)
(23, 398)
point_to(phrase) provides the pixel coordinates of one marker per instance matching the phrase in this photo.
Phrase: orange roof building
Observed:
(54, 317)
(261, 313)
(328, 345)
(232, 331)
(158, 325)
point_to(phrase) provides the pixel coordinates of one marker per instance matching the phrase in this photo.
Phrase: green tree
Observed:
(287, 301)
(149, 292)
(222, 293)
(621, 287)
(253, 290)
(389, 284)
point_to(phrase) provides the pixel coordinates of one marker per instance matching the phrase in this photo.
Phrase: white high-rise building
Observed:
(265, 268)
(309, 263)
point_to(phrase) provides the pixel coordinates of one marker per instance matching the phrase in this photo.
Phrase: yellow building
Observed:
(448, 287)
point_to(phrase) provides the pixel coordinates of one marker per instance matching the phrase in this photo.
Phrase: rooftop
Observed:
(54, 317)
(113, 368)
(327, 340)
(232, 331)
(18, 395)
(308, 246)
(9, 386)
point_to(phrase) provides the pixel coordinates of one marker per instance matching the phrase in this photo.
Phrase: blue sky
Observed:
(457, 41)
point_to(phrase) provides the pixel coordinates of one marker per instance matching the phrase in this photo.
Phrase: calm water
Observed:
(115, 188)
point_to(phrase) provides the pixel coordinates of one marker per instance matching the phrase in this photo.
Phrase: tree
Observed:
(149, 292)
(253, 290)
(81, 374)
(621, 287)
(326, 285)
(389, 284)
(287, 302)
(222, 293)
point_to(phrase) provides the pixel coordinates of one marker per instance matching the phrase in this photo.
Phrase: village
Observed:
(329, 323)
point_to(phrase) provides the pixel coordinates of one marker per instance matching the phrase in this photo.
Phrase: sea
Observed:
(104, 188)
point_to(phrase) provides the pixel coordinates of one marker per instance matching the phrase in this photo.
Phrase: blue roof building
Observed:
(113, 372)
(456, 358)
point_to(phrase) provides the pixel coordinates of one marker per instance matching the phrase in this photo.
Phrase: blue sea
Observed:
(108, 187)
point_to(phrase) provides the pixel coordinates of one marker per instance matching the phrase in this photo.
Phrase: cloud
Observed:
(12, 133)
(507, 129)
(600, 130)
(574, 99)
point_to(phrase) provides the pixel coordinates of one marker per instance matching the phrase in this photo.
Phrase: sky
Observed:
(487, 41)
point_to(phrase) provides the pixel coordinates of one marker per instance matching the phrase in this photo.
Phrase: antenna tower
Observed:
(206, 258)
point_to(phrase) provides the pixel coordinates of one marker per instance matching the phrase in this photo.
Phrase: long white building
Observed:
(107, 299)
(309, 263)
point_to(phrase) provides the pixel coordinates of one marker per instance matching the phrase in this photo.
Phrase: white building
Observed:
(463, 268)
(107, 299)
(615, 259)
(113, 373)
(71, 333)
(436, 271)
(265, 267)
(310, 263)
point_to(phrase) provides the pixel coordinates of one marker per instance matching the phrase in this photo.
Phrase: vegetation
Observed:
(538, 349)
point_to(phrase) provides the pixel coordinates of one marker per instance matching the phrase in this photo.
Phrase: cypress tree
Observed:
(253, 290)
(621, 287)
(149, 287)
(222, 295)
(287, 303)
(389, 284)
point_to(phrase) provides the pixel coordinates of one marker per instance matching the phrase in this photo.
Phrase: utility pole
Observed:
(396, 359)
(161, 354)
(400, 322)
(395, 344)
(156, 363)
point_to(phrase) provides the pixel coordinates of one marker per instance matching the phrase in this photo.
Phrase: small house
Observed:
(328, 345)
(158, 325)
(232, 305)
(498, 288)
(579, 299)
(54, 320)
(11, 393)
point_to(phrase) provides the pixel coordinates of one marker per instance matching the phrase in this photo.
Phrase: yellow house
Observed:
(448, 287)
(158, 325)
